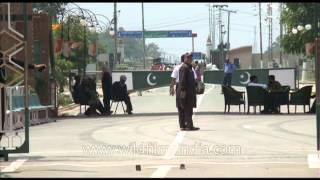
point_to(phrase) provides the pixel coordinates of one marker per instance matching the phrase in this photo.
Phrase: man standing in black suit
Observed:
(186, 93)
(106, 88)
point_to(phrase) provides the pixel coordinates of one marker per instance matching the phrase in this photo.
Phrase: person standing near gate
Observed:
(228, 69)
(106, 82)
(186, 93)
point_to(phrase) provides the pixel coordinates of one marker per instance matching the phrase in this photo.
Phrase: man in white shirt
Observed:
(175, 75)
(254, 82)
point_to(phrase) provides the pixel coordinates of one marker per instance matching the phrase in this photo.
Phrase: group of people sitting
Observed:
(85, 93)
(271, 104)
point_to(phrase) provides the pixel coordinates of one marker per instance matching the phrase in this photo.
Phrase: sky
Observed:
(195, 17)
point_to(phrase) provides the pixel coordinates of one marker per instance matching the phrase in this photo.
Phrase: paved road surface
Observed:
(233, 145)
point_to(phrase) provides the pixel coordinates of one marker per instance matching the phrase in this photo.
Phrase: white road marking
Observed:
(170, 153)
(247, 126)
(161, 172)
(174, 145)
(314, 160)
(13, 166)
(123, 128)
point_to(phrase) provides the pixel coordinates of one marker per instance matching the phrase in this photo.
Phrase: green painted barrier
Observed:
(239, 77)
(140, 80)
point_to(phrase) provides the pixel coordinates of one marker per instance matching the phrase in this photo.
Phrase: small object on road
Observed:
(138, 167)
(182, 166)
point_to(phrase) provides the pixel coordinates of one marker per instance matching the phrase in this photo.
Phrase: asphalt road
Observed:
(231, 145)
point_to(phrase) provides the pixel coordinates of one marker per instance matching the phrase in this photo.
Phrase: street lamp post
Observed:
(83, 23)
(143, 39)
(115, 34)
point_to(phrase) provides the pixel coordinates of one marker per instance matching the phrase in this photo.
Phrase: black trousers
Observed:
(271, 102)
(106, 102)
(185, 114)
(227, 79)
(180, 111)
(127, 101)
(94, 107)
(188, 112)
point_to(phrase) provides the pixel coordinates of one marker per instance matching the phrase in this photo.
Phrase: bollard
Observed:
(138, 167)
(182, 166)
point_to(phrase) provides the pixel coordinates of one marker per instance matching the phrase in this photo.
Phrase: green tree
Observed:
(53, 9)
(152, 50)
(294, 14)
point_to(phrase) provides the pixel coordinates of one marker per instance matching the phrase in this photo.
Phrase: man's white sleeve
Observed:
(174, 73)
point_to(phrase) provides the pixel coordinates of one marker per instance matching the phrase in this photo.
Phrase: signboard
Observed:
(155, 34)
(196, 55)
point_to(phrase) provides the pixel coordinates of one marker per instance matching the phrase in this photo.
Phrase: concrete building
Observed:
(243, 54)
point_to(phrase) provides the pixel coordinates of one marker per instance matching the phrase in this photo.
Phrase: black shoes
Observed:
(190, 129)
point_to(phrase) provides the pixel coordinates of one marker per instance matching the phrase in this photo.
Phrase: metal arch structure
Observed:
(91, 15)
(14, 140)
(101, 15)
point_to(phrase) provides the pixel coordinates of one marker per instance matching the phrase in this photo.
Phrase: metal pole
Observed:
(269, 28)
(84, 50)
(228, 42)
(210, 21)
(220, 34)
(281, 33)
(26, 84)
(192, 44)
(271, 24)
(317, 61)
(143, 39)
(115, 34)
(213, 35)
(261, 58)
(228, 31)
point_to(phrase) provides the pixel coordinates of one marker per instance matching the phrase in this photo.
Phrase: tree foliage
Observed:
(293, 15)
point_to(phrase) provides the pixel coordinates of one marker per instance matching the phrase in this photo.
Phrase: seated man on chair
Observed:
(120, 93)
(88, 92)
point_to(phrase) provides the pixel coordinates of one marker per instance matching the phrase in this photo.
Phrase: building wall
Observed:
(244, 54)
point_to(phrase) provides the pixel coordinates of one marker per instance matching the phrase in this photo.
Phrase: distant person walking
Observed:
(186, 92)
(228, 69)
(197, 70)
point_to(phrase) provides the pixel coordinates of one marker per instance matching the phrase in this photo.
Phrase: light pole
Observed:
(84, 24)
(221, 49)
(143, 39)
(193, 36)
(260, 26)
(115, 33)
(228, 41)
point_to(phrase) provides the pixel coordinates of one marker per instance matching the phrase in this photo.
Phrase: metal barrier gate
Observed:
(13, 140)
